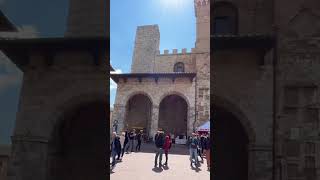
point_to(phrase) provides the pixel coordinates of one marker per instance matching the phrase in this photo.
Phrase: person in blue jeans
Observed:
(193, 148)
(159, 141)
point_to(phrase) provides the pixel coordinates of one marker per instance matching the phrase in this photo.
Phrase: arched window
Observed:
(225, 16)
(178, 67)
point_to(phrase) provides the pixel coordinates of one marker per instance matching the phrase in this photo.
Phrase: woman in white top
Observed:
(122, 138)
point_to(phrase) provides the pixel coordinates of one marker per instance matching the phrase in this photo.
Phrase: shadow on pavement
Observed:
(157, 169)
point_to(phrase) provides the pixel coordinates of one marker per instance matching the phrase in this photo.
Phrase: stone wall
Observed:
(47, 93)
(164, 63)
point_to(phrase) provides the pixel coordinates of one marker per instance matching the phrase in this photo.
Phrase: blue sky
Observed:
(176, 20)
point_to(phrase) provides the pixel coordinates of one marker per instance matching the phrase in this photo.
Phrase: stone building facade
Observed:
(169, 91)
(265, 56)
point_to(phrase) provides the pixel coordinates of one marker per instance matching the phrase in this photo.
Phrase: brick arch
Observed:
(238, 113)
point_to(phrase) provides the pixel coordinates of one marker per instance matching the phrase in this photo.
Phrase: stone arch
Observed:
(72, 117)
(238, 113)
(128, 97)
(174, 93)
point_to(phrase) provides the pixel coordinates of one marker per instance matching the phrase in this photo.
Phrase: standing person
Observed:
(159, 141)
(207, 151)
(166, 147)
(115, 148)
(193, 145)
(131, 138)
(198, 148)
(126, 142)
(122, 142)
(139, 138)
(202, 143)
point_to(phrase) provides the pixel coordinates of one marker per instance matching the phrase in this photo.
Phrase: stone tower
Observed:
(202, 10)
(145, 49)
(87, 19)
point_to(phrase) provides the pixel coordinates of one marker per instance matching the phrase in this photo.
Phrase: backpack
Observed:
(193, 143)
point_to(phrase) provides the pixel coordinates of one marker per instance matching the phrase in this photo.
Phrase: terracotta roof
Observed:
(18, 49)
(116, 77)
(258, 41)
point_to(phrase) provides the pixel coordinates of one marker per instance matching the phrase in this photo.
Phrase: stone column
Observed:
(154, 121)
(191, 119)
(119, 114)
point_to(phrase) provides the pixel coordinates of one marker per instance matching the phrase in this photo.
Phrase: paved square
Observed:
(140, 166)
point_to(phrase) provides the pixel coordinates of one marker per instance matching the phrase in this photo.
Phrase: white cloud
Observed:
(117, 71)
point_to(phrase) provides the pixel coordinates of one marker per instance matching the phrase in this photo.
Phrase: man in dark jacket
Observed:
(139, 138)
(159, 141)
(126, 141)
(115, 148)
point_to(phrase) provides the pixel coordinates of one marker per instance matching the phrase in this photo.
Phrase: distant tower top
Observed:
(202, 12)
(87, 18)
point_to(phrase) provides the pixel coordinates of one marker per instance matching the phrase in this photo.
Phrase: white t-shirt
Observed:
(122, 138)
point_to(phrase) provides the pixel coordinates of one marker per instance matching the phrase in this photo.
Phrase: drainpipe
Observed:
(195, 100)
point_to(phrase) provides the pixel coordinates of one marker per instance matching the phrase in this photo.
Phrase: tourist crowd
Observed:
(199, 145)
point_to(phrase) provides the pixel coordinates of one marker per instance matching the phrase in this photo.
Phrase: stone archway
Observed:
(173, 114)
(233, 136)
(75, 150)
(138, 112)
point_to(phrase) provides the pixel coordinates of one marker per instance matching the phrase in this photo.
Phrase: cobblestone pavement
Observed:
(140, 166)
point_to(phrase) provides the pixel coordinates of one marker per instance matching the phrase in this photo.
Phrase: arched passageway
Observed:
(78, 149)
(230, 147)
(173, 115)
(138, 113)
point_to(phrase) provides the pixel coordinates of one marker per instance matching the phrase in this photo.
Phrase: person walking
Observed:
(115, 148)
(122, 140)
(159, 141)
(166, 147)
(193, 145)
(126, 142)
(139, 138)
(207, 151)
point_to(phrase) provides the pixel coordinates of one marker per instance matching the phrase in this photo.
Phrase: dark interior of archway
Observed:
(173, 113)
(230, 154)
(138, 112)
(80, 145)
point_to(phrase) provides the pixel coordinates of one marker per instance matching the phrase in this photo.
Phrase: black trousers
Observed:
(166, 154)
(138, 145)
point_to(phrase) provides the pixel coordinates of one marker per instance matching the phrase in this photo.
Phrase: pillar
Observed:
(119, 114)
(154, 121)
(191, 120)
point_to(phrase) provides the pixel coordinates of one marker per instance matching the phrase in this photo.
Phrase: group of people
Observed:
(198, 145)
(123, 142)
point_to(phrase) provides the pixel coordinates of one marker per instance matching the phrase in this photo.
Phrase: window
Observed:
(178, 67)
(225, 17)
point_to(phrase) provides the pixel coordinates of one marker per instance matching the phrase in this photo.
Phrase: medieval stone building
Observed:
(168, 91)
(265, 94)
